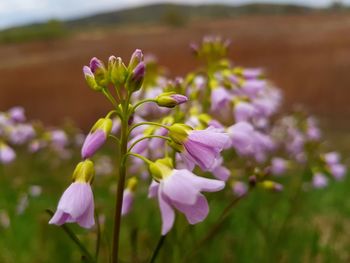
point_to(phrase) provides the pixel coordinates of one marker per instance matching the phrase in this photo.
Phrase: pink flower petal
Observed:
(167, 213)
(194, 213)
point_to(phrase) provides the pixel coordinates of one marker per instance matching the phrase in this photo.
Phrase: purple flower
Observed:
(332, 158)
(21, 133)
(7, 154)
(220, 97)
(319, 180)
(338, 171)
(59, 138)
(241, 135)
(239, 188)
(220, 171)
(97, 137)
(201, 147)
(243, 111)
(128, 200)
(75, 205)
(252, 88)
(181, 190)
(278, 166)
(17, 114)
(77, 201)
(252, 73)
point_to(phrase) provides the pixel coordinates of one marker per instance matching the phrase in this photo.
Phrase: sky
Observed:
(17, 12)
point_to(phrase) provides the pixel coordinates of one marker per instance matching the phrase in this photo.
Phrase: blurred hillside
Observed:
(170, 14)
(305, 52)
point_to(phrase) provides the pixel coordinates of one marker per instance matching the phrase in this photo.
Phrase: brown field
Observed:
(307, 56)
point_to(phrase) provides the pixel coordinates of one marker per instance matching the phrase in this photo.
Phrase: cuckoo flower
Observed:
(201, 147)
(220, 171)
(319, 180)
(77, 202)
(97, 137)
(331, 158)
(7, 154)
(220, 98)
(243, 111)
(180, 190)
(338, 171)
(128, 195)
(241, 135)
(17, 114)
(278, 166)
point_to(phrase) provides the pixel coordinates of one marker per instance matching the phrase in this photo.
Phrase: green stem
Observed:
(121, 183)
(138, 156)
(148, 137)
(75, 239)
(142, 102)
(147, 123)
(98, 236)
(109, 114)
(157, 249)
(110, 97)
(114, 138)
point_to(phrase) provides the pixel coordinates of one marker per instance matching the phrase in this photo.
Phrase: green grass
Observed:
(292, 226)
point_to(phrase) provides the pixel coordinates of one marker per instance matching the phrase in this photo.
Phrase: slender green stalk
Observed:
(75, 239)
(114, 138)
(142, 102)
(147, 123)
(98, 236)
(148, 137)
(110, 97)
(121, 183)
(157, 249)
(138, 156)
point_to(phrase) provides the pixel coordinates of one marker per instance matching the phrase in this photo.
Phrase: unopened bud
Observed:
(271, 185)
(99, 71)
(90, 79)
(170, 99)
(135, 59)
(97, 137)
(117, 71)
(136, 77)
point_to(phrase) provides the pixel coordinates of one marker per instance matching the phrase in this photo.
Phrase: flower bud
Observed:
(97, 137)
(129, 195)
(135, 59)
(178, 132)
(170, 99)
(117, 71)
(271, 185)
(136, 77)
(7, 154)
(132, 183)
(84, 172)
(99, 71)
(90, 79)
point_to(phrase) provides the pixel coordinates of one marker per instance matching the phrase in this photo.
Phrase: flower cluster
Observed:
(217, 126)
